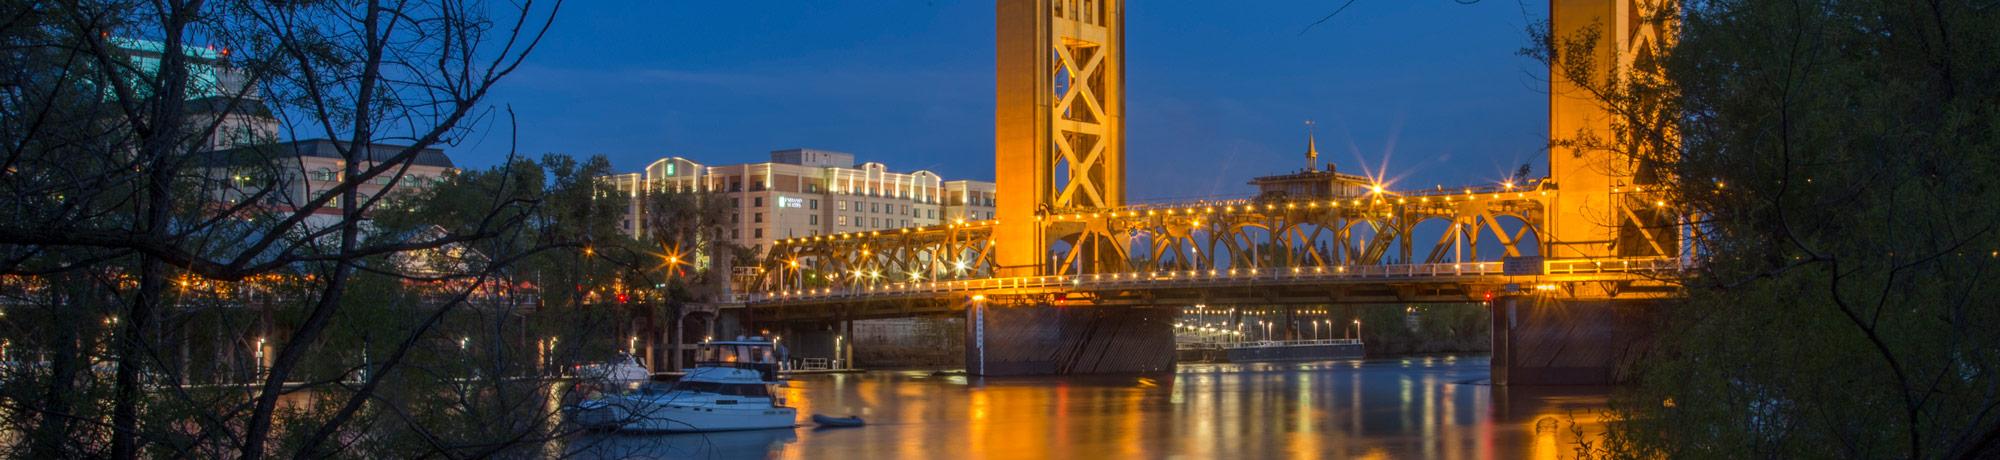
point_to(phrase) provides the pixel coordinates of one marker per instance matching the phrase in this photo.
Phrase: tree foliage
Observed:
(165, 295)
(1842, 159)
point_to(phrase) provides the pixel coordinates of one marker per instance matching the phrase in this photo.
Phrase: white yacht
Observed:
(728, 389)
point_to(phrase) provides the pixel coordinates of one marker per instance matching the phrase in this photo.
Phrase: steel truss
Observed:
(1328, 235)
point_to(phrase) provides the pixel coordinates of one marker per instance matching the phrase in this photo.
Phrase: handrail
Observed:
(1221, 276)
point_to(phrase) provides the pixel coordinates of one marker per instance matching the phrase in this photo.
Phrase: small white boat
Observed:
(624, 369)
(728, 389)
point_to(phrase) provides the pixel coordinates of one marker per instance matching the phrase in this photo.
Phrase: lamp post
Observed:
(1357, 329)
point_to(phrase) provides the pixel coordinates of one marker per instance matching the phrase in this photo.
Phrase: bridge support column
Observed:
(1046, 340)
(1539, 341)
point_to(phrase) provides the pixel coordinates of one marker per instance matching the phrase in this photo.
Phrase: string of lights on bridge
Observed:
(1466, 269)
(1377, 196)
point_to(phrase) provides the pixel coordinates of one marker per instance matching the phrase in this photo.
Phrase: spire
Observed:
(1312, 148)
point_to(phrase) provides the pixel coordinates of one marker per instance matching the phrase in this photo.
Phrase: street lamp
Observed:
(1357, 329)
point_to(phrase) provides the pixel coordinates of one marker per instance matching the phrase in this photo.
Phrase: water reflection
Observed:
(1397, 408)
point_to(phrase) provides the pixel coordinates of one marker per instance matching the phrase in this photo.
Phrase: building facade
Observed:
(809, 192)
(303, 170)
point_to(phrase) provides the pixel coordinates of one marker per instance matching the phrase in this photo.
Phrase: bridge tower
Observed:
(1605, 205)
(1059, 123)
(1601, 208)
(1059, 147)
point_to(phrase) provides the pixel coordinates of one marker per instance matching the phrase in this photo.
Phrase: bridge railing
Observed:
(1212, 277)
(1262, 344)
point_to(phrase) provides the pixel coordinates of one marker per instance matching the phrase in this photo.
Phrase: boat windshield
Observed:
(735, 353)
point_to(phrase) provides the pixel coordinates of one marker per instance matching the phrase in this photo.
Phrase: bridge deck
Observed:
(1372, 284)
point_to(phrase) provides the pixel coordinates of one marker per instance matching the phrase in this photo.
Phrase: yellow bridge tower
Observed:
(1059, 123)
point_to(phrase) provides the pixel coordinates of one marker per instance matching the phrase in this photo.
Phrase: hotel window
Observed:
(757, 202)
(875, 207)
(812, 204)
(812, 219)
(841, 204)
(840, 220)
(758, 218)
(735, 233)
(757, 232)
(735, 218)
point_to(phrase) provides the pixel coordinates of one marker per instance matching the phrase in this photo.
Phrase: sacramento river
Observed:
(1417, 407)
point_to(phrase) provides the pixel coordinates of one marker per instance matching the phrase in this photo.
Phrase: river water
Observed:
(1416, 407)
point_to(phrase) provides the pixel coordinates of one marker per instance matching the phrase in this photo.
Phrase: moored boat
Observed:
(728, 389)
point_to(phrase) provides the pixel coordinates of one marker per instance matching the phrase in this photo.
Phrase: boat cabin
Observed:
(752, 354)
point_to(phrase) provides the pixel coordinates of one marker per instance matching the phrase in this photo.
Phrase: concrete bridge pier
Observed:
(1042, 339)
(1542, 341)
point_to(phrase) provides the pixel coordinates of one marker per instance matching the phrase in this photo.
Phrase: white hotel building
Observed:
(807, 192)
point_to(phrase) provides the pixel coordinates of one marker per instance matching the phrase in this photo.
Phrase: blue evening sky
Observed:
(1218, 90)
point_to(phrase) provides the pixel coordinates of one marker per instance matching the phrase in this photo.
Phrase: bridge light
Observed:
(1377, 189)
(1508, 184)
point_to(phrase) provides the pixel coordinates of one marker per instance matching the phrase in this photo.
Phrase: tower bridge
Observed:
(1072, 278)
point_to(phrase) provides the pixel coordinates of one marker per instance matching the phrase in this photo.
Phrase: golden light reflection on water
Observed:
(1418, 408)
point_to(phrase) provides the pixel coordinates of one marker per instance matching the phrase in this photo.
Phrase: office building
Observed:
(809, 192)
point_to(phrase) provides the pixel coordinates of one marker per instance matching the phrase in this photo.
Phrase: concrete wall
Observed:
(910, 342)
(1546, 342)
(1044, 340)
